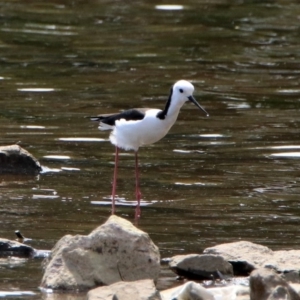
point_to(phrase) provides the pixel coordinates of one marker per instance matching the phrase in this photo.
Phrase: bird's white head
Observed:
(183, 91)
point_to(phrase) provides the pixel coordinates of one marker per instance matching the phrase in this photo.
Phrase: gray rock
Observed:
(265, 284)
(137, 290)
(195, 266)
(13, 248)
(115, 251)
(279, 292)
(292, 276)
(16, 160)
(244, 256)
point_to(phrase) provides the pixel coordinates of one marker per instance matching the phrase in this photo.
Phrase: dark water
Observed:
(232, 176)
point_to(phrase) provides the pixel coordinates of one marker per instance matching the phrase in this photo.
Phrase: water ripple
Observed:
(81, 139)
(286, 154)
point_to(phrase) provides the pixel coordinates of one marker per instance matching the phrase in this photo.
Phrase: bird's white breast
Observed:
(130, 135)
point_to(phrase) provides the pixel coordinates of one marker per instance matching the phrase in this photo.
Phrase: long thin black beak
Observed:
(192, 99)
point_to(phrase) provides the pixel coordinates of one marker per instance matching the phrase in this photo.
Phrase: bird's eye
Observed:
(181, 91)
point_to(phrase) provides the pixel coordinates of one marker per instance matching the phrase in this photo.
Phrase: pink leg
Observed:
(114, 187)
(137, 188)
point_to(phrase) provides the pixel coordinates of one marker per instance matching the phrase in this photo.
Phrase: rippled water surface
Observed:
(232, 176)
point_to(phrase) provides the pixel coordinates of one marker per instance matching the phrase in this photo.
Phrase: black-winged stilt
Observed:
(143, 126)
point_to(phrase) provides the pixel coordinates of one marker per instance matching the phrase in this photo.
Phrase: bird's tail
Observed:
(96, 119)
(103, 126)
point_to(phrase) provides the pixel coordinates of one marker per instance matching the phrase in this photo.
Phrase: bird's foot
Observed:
(113, 208)
(137, 212)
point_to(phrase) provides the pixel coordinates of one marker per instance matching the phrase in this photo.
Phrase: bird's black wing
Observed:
(130, 114)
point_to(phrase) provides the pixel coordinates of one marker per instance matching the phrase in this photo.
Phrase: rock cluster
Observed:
(119, 261)
(246, 257)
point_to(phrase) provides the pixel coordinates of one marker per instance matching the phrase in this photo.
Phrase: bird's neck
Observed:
(171, 109)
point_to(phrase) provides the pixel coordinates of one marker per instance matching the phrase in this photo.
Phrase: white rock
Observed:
(194, 291)
(115, 251)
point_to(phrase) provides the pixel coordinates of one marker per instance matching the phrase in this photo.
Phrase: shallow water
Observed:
(232, 176)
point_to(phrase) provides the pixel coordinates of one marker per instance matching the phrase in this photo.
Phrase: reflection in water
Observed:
(286, 154)
(81, 139)
(232, 176)
(57, 157)
(169, 7)
(36, 90)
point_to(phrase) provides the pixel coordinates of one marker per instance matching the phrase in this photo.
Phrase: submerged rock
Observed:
(115, 251)
(13, 248)
(16, 160)
(197, 266)
(137, 290)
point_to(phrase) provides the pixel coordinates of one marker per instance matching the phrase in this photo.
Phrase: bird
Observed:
(138, 127)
